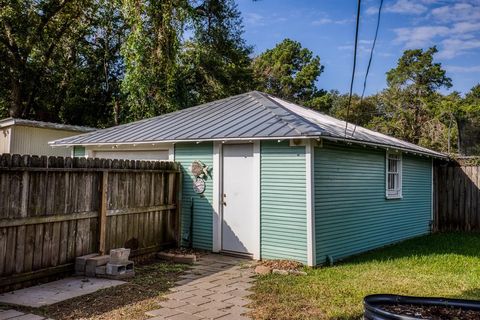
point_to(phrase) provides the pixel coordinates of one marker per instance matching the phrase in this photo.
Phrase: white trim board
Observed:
(309, 166)
(256, 225)
(217, 196)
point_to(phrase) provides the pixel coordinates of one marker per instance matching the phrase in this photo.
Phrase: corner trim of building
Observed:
(257, 197)
(309, 166)
(216, 205)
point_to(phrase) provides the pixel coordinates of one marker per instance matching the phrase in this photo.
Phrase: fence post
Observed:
(103, 213)
(178, 210)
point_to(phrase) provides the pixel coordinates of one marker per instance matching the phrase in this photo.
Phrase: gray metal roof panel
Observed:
(254, 115)
(41, 124)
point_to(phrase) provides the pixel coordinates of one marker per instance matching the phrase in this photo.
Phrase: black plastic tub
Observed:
(373, 311)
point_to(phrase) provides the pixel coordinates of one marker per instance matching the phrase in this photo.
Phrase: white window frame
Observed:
(397, 192)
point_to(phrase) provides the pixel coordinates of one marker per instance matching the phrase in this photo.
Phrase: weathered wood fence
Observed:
(55, 209)
(457, 195)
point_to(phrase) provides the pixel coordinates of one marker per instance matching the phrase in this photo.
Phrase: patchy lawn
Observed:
(128, 301)
(446, 265)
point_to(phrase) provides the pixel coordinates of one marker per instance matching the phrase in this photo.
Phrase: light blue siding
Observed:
(352, 214)
(283, 202)
(186, 153)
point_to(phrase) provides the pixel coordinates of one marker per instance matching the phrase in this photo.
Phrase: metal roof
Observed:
(249, 116)
(7, 122)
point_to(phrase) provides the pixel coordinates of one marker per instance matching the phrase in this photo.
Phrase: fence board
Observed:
(457, 196)
(50, 211)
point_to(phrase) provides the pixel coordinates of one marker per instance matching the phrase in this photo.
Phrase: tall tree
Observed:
(467, 115)
(34, 37)
(411, 87)
(150, 55)
(215, 61)
(289, 71)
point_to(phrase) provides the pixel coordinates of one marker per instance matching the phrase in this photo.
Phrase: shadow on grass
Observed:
(464, 244)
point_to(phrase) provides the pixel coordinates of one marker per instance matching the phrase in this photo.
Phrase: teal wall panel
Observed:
(185, 154)
(352, 214)
(283, 221)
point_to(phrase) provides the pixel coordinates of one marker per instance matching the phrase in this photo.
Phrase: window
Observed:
(79, 151)
(394, 175)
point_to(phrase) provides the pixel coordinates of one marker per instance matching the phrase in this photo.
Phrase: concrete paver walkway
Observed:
(11, 314)
(217, 287)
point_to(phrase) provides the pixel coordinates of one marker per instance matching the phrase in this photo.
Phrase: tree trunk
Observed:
(16, 105)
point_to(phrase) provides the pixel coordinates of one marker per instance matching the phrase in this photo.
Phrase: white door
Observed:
(238, 232)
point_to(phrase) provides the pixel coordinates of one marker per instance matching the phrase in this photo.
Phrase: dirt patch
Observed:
(185, 251)
(128, 301)
(282, 264)
(432, 312)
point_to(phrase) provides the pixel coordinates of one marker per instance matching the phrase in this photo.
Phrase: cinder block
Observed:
(100, 271)
(80, 263)
(119, 256)
(93, 263)
(117, 269)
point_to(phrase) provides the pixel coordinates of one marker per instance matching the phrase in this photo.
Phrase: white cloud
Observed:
(463, 11)
(254, 19)
(406, 6)
(372, 10)
(322, 21)
(326, 20)
(460, 69)
(419, 36)
(453, 47)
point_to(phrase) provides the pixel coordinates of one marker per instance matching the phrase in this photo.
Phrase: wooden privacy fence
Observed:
(55, 209)
(457, 195)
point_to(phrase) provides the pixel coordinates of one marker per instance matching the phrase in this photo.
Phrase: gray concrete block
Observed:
(81, 262)
(93, 263)
(116, 269)
(119, 256)
(102, 270)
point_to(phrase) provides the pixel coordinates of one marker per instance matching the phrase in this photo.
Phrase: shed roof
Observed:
(249, 116)
(7, 122)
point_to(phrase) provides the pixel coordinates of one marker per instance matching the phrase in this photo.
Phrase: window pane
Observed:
(391, 181)
(392, 165)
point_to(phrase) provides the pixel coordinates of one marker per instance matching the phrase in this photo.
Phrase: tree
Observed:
(34, 42)
(411, 87)
(467, 115)
(215, 62)
(288, 71)
(150, 54)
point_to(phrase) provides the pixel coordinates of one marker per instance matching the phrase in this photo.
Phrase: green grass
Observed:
(446, 265)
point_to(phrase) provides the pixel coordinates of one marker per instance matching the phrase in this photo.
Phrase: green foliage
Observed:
(411, 86)
(215, 61)
(289, 71)
(150, 54)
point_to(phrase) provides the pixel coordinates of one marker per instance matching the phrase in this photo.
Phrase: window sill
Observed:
(392, 197)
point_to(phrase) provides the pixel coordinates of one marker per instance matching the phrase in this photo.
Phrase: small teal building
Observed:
(270, 179)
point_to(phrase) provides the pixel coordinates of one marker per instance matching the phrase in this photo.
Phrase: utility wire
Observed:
(369, 61)
(354, 65)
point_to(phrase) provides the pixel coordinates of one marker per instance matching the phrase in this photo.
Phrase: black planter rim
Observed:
(370, 303)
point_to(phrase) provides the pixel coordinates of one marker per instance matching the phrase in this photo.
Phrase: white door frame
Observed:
(217, 214)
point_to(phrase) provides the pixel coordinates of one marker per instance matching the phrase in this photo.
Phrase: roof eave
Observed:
(433, 154)
(53, 144)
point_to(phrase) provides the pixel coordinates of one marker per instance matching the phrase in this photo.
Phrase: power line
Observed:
(369, 61)
(354, 65)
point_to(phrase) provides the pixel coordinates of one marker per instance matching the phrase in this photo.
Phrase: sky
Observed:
(327, 27)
